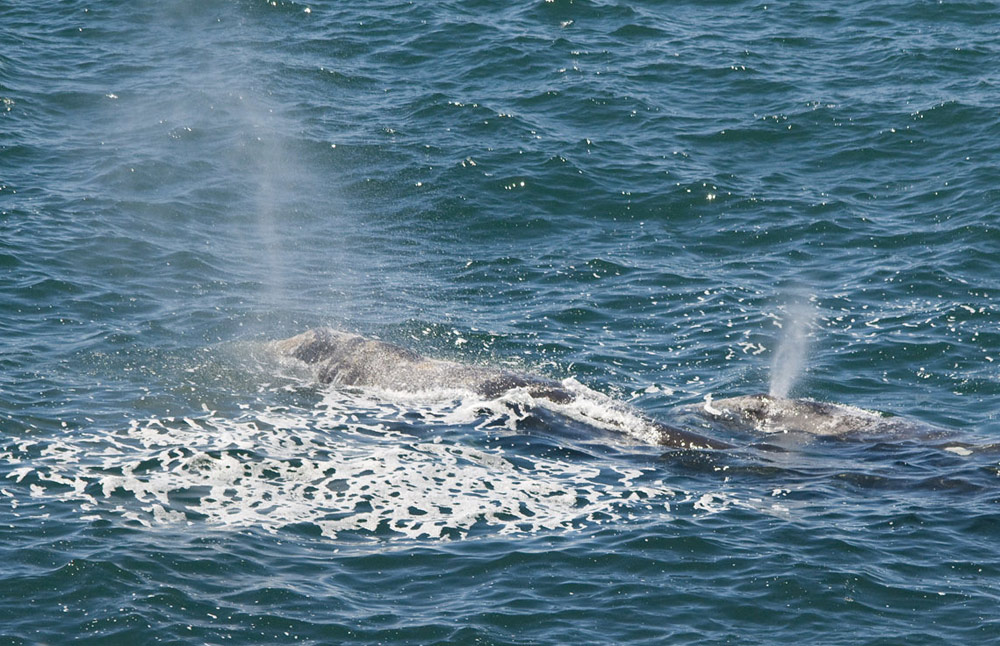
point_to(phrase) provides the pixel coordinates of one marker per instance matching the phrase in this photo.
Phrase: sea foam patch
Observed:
(352, 464)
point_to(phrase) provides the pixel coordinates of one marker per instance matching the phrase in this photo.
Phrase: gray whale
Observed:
(348, 359)
(769, 414)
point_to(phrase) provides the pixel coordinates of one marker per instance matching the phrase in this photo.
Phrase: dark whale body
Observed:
(350, 359)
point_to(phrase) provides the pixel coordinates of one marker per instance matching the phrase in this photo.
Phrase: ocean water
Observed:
(664, 201)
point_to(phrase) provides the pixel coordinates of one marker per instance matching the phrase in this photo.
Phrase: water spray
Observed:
(789, 358)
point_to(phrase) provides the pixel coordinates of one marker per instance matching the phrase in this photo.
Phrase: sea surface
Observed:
(662, 201)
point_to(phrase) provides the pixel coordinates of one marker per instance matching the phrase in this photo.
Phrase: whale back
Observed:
(349, 359)
(353, 360)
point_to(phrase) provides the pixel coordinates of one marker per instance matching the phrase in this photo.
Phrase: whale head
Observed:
(764, 413)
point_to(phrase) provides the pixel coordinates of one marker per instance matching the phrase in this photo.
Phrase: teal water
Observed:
(645, 197)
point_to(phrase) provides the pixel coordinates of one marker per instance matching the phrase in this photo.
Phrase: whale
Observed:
(765, 413)
(351, 360)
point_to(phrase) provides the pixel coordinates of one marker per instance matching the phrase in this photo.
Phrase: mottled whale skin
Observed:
(770, 414)
(350, 359)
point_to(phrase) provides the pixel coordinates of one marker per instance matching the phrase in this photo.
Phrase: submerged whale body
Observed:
(348, 359)
(769, 414)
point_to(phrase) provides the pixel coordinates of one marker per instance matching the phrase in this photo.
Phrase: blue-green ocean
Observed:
(644, 197)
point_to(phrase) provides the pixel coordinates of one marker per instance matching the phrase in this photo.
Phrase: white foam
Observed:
(355, 464)
(597, 409)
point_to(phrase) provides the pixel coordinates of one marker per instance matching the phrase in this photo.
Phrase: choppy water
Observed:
(643, 197)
